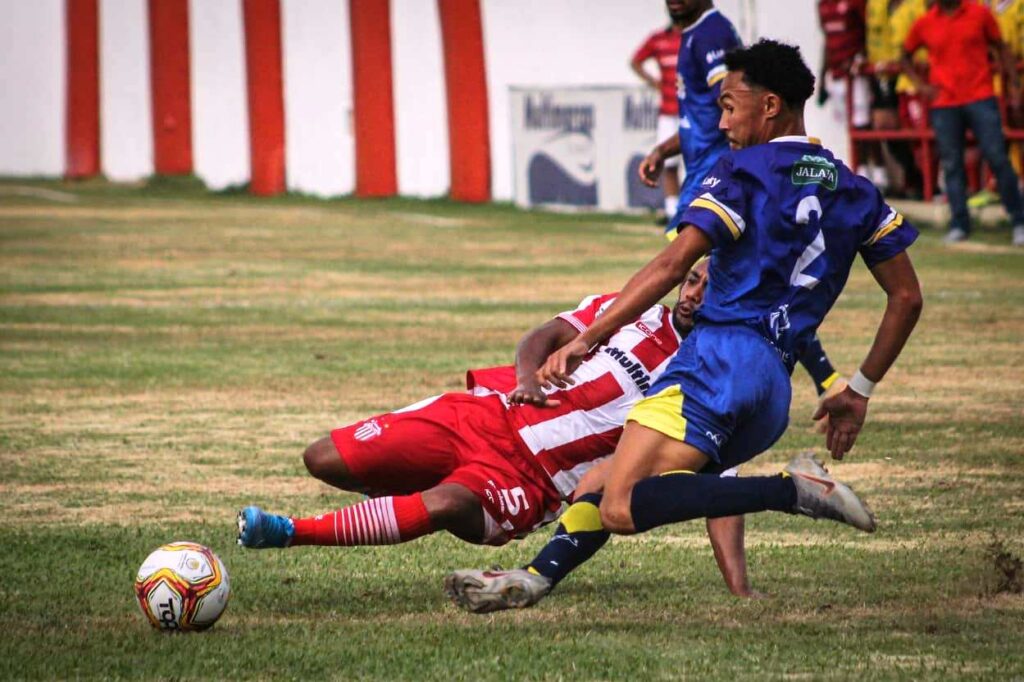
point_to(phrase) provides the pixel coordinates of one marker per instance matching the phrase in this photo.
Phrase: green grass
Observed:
(166, 355)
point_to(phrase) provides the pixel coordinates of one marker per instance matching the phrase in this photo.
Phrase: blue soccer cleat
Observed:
(259, 530)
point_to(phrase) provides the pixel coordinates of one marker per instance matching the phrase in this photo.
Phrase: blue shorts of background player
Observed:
(726, 393)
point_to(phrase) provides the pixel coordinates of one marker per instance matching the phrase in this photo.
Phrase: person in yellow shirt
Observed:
(1010, 16)
(883, 54)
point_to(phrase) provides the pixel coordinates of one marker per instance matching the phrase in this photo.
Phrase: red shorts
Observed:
(453, 438)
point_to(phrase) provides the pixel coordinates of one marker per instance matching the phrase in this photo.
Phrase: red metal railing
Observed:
(922, 138)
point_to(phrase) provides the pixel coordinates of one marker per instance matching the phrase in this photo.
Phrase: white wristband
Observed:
(861, 385)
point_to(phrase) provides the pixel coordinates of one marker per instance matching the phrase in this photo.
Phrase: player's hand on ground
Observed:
(650, 168)
(558, 368)
(529, 392)
(846, 412)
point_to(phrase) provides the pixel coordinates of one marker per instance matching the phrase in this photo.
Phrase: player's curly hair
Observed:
(774, 66)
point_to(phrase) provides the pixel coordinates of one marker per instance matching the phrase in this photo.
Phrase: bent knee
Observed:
(450, 502)
(617, 518)
(323, 461)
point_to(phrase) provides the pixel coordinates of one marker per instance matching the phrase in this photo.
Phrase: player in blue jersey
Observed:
(700, 69)
(783, 221)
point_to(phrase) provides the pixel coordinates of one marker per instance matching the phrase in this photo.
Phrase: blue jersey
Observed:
(787, 220)
(699, 73)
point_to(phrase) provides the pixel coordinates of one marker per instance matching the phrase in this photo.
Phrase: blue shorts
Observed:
(726, 393)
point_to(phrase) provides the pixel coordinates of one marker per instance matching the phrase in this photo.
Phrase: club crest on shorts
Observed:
(368, 431)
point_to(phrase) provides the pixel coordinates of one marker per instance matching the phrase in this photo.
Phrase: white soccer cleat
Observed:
(495, 590)
(820, 496)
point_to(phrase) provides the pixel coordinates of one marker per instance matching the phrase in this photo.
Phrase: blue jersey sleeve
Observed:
(887, 234)
(708, 50)
(718, 211)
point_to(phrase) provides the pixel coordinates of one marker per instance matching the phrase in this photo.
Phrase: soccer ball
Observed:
(182, 586)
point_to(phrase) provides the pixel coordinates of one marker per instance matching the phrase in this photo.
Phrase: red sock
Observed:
(380, 521)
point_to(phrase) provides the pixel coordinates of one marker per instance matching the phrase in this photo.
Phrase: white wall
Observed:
(527, 42)
(126, 125)
(589, 42)
(32, 88)
(568, 42)
(421, 112)
(220, 113)
(319, 141)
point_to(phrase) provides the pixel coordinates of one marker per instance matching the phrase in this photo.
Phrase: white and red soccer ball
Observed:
(181, 587)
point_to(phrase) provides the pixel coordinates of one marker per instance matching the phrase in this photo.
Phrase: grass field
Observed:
(166, 356)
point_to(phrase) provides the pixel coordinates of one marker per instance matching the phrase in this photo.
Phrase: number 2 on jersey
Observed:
(799, 278)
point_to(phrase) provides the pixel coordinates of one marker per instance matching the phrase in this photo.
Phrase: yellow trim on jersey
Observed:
(677, 471)
(701, 202)
(831, 380)
(581, 516)
(885, 229)
(671, 235)
(531, 569)
(662, 412)
(712, 80)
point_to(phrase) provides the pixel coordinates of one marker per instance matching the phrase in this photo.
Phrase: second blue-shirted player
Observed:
(700, 69)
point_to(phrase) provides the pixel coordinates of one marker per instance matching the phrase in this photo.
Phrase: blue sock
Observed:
(578, 537)
(818, 366)
(675, 497)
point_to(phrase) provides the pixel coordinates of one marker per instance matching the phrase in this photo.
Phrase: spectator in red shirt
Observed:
(958, 36)
(663, 47)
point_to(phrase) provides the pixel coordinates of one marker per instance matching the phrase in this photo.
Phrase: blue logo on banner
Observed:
(552, 183)
(562, 171)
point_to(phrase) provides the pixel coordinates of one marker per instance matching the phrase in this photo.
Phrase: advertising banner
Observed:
(580, 147)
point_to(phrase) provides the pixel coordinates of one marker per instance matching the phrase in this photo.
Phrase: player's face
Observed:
(691, 295)
(683, 11)
(746, 112)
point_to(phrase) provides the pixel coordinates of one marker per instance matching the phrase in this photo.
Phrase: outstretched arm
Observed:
(643, 290)
(847, 410)
(531, 351)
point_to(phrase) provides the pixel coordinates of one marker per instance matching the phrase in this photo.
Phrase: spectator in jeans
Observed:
(958, 36)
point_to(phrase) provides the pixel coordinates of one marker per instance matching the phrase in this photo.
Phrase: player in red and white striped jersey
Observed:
(496, 462)
(566, 439)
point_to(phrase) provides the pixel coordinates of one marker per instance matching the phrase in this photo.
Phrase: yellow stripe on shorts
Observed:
(662, 412)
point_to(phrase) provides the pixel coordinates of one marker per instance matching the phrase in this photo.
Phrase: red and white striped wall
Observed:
(328, 97)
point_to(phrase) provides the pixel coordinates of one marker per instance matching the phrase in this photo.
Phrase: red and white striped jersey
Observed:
(663, 46)
(569, 439)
